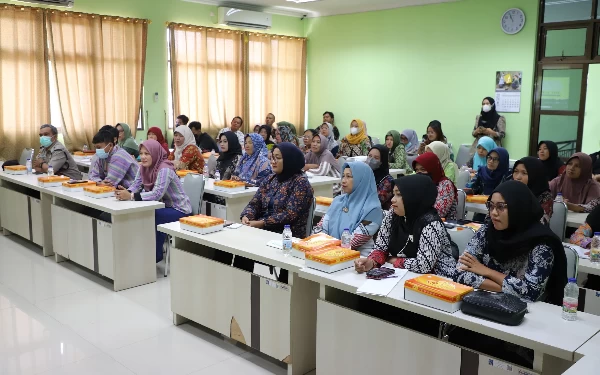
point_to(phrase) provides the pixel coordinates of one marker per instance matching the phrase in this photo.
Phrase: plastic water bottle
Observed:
(85, 147)
(287, 241)
(559, 198)
(28, 166)
(205, 171)
(570, 300)
(346, 238)
(50, 171)
(217, 175)
(595, 250)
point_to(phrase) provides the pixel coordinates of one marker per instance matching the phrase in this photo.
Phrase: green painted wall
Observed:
(402, 68)
(160, 12)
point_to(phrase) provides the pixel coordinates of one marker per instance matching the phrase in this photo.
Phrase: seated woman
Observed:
(479, 158)
(126, 140)
(410, 139)
(186, 154)
(447, 197)
(253, 166)
(287, 132)
(326, 130)
(513, 252)
(358, 210)
(266, 132)
(412, 234)
(489, 123)
(230, 155)
(357, 142)
(157, 181)
(548, 154)
(442, 151)
(320, 162)
(256, 129)
(434, 133)
(307, 138)
(282, 199)
(577, 186)
(157, 134)
(531, 172)
(397, 152)
(489, 176)
(584, 234)
(378, 161)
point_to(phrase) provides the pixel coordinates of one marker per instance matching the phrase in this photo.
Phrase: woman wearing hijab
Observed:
(489, 176)
(266, 132)
(186, 154)
(447, 197)
(577, 186)
(357, 142)
(287, 132)
(442, 151)
(479, 158)
(410, 139)
(126, 140)
(327, 131)
(584, 234)
(357, 210)
(397, 152)
(157, 181)
(253, 166)
(489, 123)
(412, 235)
(320, 161)
(156, 134)
(231, 152)
(530, 171)
(548, 154)
(378, 161)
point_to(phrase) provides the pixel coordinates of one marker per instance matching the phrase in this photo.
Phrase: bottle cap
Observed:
(559, 194)
(572, 280)
(286, 226)
(596, 233)
(347, 229)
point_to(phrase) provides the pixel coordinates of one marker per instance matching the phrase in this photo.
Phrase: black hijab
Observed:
(593, 220)
(269, 131)
(418, 195)
(537, 180)
(524, 232)
(553, 163)
(384, 168)
(293, 160)
(234, 148)
(489, 119)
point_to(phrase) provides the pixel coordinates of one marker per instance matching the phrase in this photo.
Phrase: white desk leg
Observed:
(323, 191)
(235, 206)
(46, 203)
(134, 249)
(303, 335)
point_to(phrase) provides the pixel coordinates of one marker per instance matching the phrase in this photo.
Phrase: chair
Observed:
(461, 238)
(558, 221)
(461, 212)
(311, 217)
(27, 153)
(211, 163)
(341, 161)
(193, 186)
(572, 262)
(464, 154)
(375, 140)
(410, 159)
(462, 179)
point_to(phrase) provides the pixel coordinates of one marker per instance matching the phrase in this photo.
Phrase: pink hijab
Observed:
(159, 161)
(581, 190)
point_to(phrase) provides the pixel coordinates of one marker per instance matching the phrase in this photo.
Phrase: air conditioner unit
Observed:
(244, 18)
(58, 3)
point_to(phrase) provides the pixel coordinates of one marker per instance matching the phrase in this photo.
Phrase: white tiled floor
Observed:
(57, 319)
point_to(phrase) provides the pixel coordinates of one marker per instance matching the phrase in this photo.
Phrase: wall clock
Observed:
(513, 21)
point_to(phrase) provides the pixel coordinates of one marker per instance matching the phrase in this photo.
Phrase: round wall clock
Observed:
(513, 21)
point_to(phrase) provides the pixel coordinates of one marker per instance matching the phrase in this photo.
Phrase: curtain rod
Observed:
(80, 14)
(210, 28)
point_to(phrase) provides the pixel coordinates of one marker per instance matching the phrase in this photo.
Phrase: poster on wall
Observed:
(508, 91)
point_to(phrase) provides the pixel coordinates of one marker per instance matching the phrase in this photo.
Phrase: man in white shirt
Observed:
(236, 124)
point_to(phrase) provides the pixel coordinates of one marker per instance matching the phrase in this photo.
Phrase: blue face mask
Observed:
(408, 145)
(101, 154)
(45, 141)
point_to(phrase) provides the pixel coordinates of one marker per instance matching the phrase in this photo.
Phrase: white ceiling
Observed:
(318, 8)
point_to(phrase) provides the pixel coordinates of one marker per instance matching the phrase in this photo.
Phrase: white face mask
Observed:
(486, 108)
(354, 131)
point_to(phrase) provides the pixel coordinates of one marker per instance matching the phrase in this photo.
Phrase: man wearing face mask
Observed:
(112, 166)
(53, 153)
(378, 160)
(489, 123)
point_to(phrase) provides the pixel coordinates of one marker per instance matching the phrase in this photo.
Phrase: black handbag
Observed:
(497, 307)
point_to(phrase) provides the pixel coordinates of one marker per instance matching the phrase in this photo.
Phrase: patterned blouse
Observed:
(434, 254)
(582, 236)
(445, 204)
(547, 204)
(282, 203)
(362, 237)
(261, 171)
(385, 189)
(191, 157)
(349, 151)
(398, 159)
(500, 129)
(168, 189)
(229, 170)
(526, 276)
(326, 169)
(589, 207)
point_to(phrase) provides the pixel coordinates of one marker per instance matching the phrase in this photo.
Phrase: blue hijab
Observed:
(248, 163)
(489, 144)
(491, 179)
(363, 203)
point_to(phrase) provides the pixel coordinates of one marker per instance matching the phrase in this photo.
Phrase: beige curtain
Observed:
(24, 98)
(277, 78)
(207, 75)
(99, 63)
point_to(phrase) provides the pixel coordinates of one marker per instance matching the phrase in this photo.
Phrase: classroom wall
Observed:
(591, 125)
(402, 68)
(160, 12)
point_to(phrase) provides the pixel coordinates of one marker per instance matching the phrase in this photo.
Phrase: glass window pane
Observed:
(562, 130)
(561, 89)
(561, 10)
(567, 42)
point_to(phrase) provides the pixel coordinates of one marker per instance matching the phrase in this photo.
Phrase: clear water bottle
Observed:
(570, 300)
(287, 241)
(85, 148)
(50, 171)
(217, 175)
(28, 166)
(346, 238)
(559, 198)
(595, 249)
(205, 171)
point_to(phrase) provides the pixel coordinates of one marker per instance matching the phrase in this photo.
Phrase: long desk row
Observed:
(311, 322)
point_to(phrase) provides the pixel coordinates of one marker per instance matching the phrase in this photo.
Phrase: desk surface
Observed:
(562, 340)
(395, 172)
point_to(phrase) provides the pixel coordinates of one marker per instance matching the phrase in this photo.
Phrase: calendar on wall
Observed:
(508, 91)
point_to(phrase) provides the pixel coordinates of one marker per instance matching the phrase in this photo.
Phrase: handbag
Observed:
(498, 307)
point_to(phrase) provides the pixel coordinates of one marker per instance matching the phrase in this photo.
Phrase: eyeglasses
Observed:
(493, 159)
(500, 207)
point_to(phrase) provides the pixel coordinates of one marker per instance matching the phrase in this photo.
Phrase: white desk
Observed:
(276, 319)
(477, 208)
(122, 250)
(395, 172)
(588, 361)
(83, 162)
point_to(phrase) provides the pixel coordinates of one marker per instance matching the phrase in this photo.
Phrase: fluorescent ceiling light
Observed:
(302, 1)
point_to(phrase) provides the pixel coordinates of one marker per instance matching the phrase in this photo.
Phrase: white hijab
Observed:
(331, 138)
(188, 139)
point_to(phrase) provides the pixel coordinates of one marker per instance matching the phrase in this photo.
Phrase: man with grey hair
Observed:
(55, 154)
